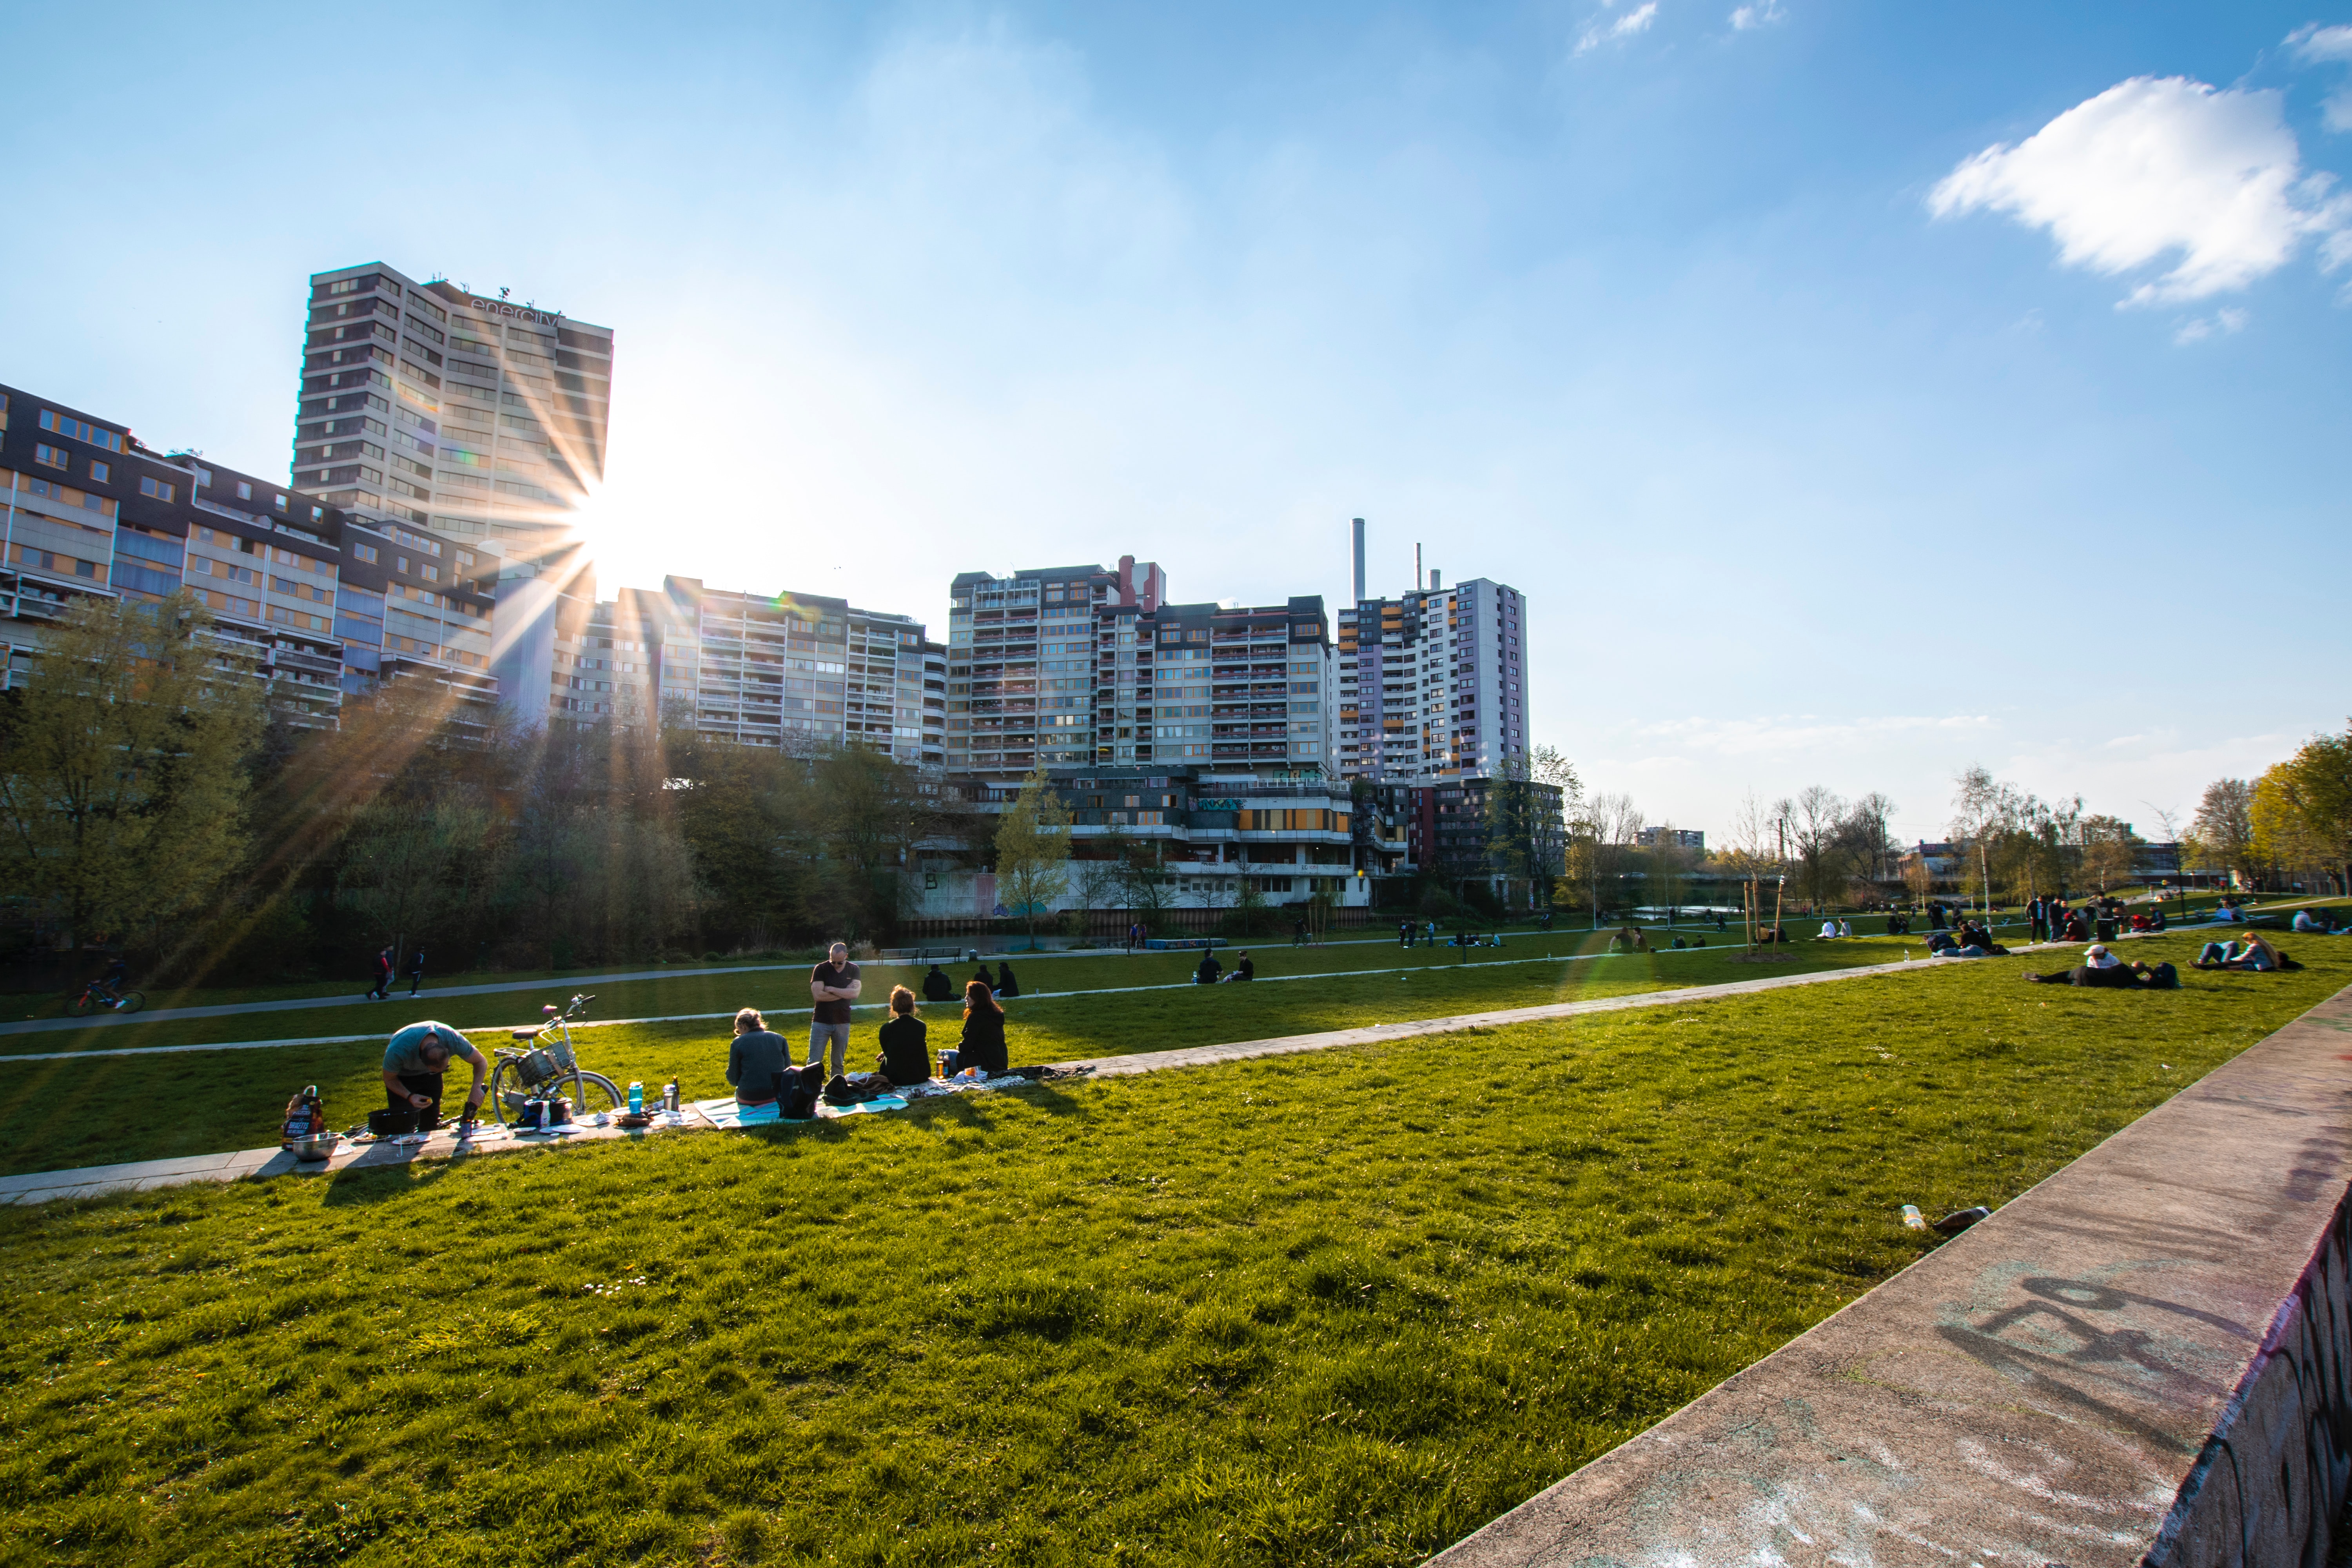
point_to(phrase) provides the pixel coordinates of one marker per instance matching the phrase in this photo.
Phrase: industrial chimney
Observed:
(1360, 561)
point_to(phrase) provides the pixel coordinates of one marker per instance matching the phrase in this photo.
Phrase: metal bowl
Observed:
(312, 1149)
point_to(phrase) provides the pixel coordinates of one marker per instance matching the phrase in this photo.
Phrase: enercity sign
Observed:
(521, 312)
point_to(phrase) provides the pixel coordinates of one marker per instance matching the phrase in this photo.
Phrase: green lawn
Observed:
(104, 1109)
(1337, 1308)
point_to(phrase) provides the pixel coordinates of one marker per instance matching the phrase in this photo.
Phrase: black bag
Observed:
(796, 1095)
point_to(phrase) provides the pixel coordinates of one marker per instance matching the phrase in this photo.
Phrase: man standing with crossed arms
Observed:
(832, 985)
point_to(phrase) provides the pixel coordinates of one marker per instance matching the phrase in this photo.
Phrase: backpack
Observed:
(796, 1095)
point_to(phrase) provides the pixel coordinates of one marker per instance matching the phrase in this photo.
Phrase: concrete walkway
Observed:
(96, 1181)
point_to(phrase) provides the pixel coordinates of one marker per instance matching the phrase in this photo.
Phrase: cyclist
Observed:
(414, 1061)
(117, 975)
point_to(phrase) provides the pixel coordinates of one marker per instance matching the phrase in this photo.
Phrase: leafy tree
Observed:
(2109, 846)
(1526, 833)
(2316, 784)
(1033, 849)
(123, 780)
(2222, 834)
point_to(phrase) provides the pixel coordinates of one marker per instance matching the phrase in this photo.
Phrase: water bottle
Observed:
(1912, 1219)
(637, 1098)
(669, 1096)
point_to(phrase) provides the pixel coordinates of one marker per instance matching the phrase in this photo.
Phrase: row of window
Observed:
(80, 430)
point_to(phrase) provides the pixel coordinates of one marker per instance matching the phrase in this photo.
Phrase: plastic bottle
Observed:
(669, 1095)
(1912, 1219)
(637, 1098)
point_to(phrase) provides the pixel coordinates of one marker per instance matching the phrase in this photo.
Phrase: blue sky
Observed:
(1857, 393)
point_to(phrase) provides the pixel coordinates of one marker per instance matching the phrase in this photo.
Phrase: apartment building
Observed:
(480, 420)
(88, 508)
(1433, 684)
(1208, 832)
(1079, 668)
(793, 669)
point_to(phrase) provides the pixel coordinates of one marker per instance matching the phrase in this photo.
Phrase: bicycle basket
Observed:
(536, 1067)
(560, 1050)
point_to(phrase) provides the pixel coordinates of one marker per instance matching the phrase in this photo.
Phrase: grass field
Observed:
(1338, 1309)
(101, 1110)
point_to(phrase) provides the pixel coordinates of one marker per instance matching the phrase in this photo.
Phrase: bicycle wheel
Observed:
(80, 1006)
(507, 1093)
(132, 1002)
(591, 1092)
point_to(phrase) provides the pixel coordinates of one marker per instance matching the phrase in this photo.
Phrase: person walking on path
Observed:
(415, 1062)
(382, 990)
(415, 970)
(832, 985)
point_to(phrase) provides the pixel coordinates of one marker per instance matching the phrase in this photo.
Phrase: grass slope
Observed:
(110, 1109)
(1341, 1309)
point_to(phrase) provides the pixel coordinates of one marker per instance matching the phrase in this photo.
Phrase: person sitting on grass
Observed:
(982, 1045)
(1209, 970)
(937, 986)
(757, 1061)
(1245, 967)
(2255, 953)
(905, 1058)
(1631, 939)
(2319, 922)
(1005, 985)
(2226, 912)
(982, 976)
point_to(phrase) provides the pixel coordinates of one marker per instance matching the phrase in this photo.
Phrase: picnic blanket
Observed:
(727, 1113)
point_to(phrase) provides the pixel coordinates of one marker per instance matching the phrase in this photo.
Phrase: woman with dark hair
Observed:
(756, 1061)
(983, 976)
(904, 1057)
(1005, 985)
(982, 1045)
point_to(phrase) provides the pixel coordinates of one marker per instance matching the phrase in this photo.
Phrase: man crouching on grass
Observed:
(413, 1064)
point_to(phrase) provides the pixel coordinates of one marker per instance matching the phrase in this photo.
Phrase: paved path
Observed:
(96, 1181)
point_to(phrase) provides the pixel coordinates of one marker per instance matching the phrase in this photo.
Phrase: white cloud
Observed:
(2334, 46)
(2220, 323)
(1637, 20)
(1749, 17)
(2157, 168)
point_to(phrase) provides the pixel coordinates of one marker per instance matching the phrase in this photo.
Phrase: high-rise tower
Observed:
(427, 404)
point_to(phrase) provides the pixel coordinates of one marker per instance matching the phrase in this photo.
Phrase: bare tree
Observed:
(1816, 818)
(2223, 832)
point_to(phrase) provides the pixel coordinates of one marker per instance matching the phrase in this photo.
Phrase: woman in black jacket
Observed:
(905, 1058)
(1005, 985)
(982, 1045)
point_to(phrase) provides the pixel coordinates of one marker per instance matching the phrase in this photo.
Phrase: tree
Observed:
(2316, 784)
(1816, 823)
(1666, 868)
(1033, 849)
(2109, 846)
(2223, 829)
(123, 769)
(404, 859)
(1525, 832)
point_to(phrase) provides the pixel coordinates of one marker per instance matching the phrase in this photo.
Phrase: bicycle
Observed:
(521, 1077)
(98, 994)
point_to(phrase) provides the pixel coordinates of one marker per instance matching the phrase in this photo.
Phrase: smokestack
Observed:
(1434, 584)
(1359, 562)
(1416, 568)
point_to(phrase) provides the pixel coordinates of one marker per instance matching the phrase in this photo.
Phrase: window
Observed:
(99, 471)
(432, 572)
(55, 457)
(243, 490)
(80, 430)
(281, 507)
(363, 553)
(158, 490)
(344, 286)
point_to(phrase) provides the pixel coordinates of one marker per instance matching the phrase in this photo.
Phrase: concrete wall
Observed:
(2141, 1360)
